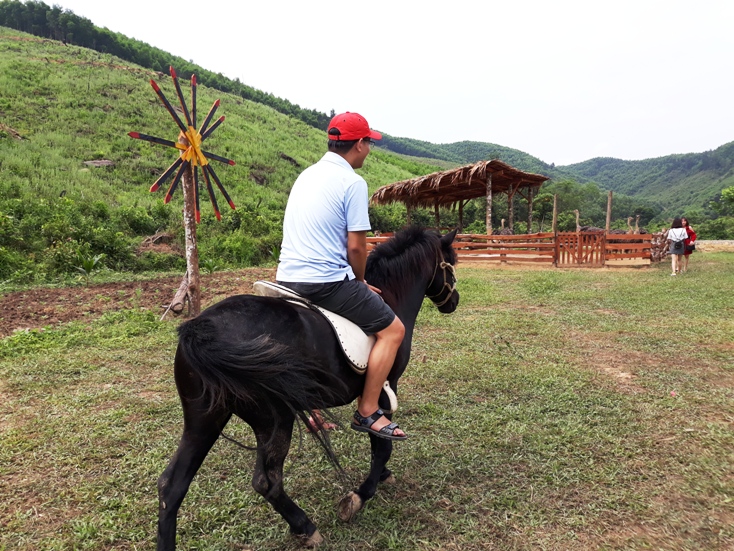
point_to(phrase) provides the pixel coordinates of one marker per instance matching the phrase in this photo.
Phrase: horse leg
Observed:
(198, 438)
(353, 502)
(273, 444)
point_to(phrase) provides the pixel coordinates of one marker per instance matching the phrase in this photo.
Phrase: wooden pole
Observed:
(438, 216)
(511, 210)
(609, 211)
(192, 251)
(554, 229)
(489, 204)
(461, 216)
(530, 210)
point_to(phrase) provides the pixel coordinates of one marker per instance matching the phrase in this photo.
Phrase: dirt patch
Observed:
(712, 246)
(44, 307)
(604, 357)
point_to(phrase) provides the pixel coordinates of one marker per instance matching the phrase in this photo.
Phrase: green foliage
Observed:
(209, 266)
(387, 218)
(727, 196)
(150, 261)
(70, 105)
(88, 264)
(16, 266)
(720, 228)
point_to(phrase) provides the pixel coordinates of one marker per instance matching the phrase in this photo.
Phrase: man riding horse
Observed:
(324, 253)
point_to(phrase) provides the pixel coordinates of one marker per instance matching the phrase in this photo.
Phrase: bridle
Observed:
(445, 266)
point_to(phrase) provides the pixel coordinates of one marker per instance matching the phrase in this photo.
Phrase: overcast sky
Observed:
(563, 80)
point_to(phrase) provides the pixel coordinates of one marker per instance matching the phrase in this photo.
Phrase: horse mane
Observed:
(393, 265)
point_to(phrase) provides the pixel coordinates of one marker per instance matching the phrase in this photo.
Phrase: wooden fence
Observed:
(564, 249)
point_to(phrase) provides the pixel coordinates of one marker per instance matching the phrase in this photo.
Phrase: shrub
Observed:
(209, 266)
(8, 232)
(721, 228)
(476, 227)
(62, 256)
(115, 245)
(16, 266)
(387, 218)
(88, 264)
(159, 262)
(236, 248)
(135, 219)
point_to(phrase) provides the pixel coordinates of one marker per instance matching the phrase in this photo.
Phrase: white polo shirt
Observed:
(327, 200)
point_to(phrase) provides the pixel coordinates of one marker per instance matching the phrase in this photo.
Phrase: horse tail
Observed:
(250, 370)
(258, 373)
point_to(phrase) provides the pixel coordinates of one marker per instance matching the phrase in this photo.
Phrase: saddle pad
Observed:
(355, 344)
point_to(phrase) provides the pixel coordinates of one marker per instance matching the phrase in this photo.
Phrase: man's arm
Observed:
(357, 252)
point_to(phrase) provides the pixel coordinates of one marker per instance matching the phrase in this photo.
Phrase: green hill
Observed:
(674, 182)
(62, 106)
(677, 182)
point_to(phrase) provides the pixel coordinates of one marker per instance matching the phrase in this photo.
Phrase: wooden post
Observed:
(192, 252)
(489, 204)
(438, 216)
(609, 211)
(554, 229)
(461, 216)
(511, 210)
(530, 211)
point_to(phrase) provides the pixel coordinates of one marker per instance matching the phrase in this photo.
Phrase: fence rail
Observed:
(561, 249)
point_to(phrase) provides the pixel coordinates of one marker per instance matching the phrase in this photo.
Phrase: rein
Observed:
(446, 285)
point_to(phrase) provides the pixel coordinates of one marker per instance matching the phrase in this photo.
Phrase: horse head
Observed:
(442, 288)
(416, 263)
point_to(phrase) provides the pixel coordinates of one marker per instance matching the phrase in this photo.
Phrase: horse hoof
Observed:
(314, 540)
(349, 506)
(390, 480)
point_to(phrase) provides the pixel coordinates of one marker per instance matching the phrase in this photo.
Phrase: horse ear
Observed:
(449, 237)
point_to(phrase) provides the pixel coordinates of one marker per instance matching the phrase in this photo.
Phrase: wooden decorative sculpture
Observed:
(186, 167)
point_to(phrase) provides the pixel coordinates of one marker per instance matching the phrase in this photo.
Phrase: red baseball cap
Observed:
(351, 126)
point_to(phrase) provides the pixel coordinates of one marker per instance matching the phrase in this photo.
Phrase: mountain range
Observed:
(674, 182)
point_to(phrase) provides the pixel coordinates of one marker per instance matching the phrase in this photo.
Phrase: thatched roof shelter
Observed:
(459, 185)
(450, 186)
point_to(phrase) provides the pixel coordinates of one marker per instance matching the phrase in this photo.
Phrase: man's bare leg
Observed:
(379, 365)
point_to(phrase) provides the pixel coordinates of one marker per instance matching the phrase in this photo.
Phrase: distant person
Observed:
(324, 256)
(676, 238)
(690, 240)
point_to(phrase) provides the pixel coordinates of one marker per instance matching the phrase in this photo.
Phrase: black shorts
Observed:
(351, 299)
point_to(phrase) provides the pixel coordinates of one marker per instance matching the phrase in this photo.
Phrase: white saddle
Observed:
(355, 343)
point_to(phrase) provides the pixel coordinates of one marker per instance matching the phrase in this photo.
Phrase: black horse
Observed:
(268, 361)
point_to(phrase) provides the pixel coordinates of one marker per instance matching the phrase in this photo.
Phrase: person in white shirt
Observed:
(676, 238)
(324, 255)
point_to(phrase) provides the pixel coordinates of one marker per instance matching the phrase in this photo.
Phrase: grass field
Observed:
(555, 410)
